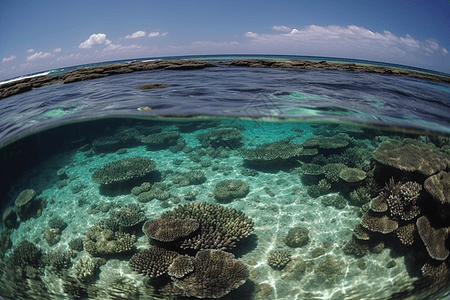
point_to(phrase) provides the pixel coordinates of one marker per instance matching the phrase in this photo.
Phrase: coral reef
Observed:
(123, 170)
(277, 259)
(169, 229)
(407, 234)
(159, 191)
(57, 222)
(128, 216)
(336, 200)
(125, 137)
(180, 266)
(85, 267)
(162, 140)
(189, 178)
(144, 187)
(352, 175)
(338, 141)
(272, 153)
(24, 203)
(216, 273)
(434, 239)
(57, 259)
(230, 189)
(332, 171)
(401, 200)
(153, 262)
(76, 244)
(297, 237)
(411, 155)
(378, 222)
(294, 270)
(330, 266)
(100, 241)
(220, 227)
(360, 196)
(52, 236)
(439, 187)
(227, 137)
(25, 254)
(9, 217)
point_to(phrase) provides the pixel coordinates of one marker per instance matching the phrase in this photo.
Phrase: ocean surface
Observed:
(287, 170)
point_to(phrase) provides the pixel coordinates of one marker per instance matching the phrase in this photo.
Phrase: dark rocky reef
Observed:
(325, 65)
(86, 73)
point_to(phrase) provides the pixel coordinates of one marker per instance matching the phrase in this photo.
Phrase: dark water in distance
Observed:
(321, 125)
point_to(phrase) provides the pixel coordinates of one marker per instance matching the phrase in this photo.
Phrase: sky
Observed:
(43, 35)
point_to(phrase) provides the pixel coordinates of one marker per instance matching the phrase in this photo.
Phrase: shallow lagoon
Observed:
(306, 187)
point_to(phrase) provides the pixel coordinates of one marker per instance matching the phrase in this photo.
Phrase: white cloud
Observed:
(39, 55)
(31, 50)
(137, 34)
(72, 56)
(56, 50)
(116, 48)
(95, 40)
(164, 33)
(6, 59)
(153, 34)
(281, 28)
(350, 41)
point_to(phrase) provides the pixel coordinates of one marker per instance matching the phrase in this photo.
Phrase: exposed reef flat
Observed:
(326, 65)
(85, 73)
(80, 74)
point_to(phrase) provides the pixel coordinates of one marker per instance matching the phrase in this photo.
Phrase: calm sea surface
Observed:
(309, 157)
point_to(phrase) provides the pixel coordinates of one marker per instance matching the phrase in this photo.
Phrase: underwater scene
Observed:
(228, 181)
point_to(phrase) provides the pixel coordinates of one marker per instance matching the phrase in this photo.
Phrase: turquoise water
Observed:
(301, 155)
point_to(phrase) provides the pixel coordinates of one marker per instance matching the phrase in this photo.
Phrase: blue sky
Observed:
(41, 35)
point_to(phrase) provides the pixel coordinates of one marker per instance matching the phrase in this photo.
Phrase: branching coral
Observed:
(153, 262)
(220, 227)
(215, 274)
(279, 258)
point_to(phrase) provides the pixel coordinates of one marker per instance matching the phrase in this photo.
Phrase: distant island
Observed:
(86, 73)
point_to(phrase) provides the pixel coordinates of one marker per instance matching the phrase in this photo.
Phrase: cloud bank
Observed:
(9, 58)
(95, 40)
(350, 41)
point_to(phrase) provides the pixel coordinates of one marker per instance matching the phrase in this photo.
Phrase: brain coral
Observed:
(123, 170)
(216, 273)
(411, 155)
